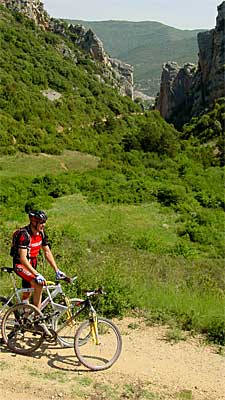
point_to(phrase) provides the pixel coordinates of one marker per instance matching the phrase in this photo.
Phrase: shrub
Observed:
(216, 331)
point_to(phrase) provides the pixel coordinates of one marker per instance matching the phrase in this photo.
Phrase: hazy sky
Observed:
(183, 14)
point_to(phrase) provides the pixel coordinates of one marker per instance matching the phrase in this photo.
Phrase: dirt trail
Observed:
(149, 367)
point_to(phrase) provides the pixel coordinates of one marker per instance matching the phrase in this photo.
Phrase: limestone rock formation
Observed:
(175, 86)
(121, 74)
(124, 75)
(32, 9)
(188, 91)
(212, 59)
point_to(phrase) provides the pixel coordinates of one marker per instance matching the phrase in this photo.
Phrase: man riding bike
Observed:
(27, 244)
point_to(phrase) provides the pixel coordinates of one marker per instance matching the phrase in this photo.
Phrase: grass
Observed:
(175, 335)
(3, 365)
(138, 390)
(128, 250)
(28, 165)
(185, 395)
(131, 391)
(59, 376)
(116, 223)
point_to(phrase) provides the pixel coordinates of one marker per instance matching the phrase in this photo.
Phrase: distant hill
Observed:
(146, 45)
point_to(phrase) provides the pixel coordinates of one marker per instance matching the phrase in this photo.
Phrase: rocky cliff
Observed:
(188, 91)
(121, 74)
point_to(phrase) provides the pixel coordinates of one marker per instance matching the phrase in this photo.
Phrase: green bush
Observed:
(216, 331)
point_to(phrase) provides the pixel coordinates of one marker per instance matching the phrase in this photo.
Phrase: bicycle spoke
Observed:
(20, 329)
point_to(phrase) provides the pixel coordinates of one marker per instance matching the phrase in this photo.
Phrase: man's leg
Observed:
(37, 293)
(26, 296)
(27, 276)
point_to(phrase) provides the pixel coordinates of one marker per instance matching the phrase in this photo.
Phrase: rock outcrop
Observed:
(176, 83)
(188, 91)
(32, 9)
(124, 75)
(120, 74)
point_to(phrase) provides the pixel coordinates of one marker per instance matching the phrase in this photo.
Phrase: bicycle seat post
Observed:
(13, 279)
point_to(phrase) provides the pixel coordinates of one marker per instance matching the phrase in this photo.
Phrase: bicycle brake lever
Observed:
(66, 279)
(100, 290)
(103, 291)
(73, 278)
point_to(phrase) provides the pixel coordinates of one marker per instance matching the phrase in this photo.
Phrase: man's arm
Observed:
(49, 257)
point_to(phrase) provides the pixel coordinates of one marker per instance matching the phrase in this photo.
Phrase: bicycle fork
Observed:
(94, 327)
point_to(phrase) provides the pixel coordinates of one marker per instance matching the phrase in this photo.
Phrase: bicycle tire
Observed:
(65, 325)
(4, 306)
(65, 331)
(20, 330)
(98, 357)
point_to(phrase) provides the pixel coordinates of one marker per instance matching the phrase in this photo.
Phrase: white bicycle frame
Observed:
(52, 291)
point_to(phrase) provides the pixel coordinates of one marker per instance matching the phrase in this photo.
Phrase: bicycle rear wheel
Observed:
(65, 327)
(100, 356)
(4, 306)
(20, 329)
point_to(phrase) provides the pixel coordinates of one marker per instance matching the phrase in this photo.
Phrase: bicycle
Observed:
(61, 311)
(97, 342)
(15, 295)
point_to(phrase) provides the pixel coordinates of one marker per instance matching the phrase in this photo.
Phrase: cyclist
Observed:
(27, 244)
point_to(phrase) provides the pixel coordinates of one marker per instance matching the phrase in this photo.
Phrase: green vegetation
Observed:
(32, 61)
(133, 204)
(185, 395)
(146, 45)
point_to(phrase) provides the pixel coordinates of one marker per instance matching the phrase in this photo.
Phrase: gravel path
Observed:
(149, 367)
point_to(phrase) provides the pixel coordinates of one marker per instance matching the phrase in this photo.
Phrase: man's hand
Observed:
(60, 275)
(40, 279)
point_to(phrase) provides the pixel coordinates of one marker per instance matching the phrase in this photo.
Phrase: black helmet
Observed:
(38, 216)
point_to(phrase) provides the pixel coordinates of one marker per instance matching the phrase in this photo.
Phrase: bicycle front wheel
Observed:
(102, 353)
(20, 329)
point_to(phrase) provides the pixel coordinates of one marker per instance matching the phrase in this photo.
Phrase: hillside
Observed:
(51, 90)
(146, 45)
(133, 203)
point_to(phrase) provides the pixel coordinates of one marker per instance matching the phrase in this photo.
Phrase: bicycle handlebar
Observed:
(67, 279)
(7, 269)
(94, 292)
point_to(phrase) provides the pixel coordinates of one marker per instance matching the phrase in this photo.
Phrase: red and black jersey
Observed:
(25, 239)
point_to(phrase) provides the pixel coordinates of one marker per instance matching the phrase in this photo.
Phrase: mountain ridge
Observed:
(153, 41)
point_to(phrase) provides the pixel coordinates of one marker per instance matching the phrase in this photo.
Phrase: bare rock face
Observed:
(212, 59)
(187, 91)
(175, 86)
(124, 75)
(93, 45)
(121, 74)
(32, 9)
